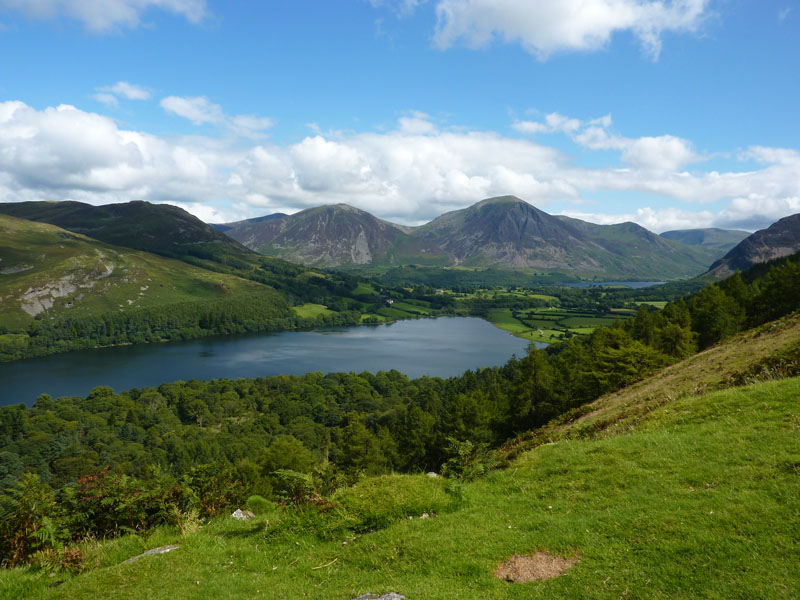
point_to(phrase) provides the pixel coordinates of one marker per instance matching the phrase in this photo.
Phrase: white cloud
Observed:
(106, 98)
(661, 153)
(783, 13)
(129, 91)
(405, 174)
(198, 110)
(201, 111)
(544, 27)
(418, 123)
(101, 16)
(658, 220)
(554, 123)
(109, 95)
(749, 214)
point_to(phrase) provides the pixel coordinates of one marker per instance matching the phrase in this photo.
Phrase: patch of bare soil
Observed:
(540, 566)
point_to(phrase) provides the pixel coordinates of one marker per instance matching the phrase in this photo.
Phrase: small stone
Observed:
(242, 515)
(425, 516)
(389, 596)
(432, 475)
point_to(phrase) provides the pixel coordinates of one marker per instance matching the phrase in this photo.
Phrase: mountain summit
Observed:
(503, 232)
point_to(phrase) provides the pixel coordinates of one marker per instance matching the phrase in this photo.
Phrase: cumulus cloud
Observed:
(749, 214)
(201, 111)
(661, 153)
(658, 220)
(544, 27)
(106, 15)
(408, 174)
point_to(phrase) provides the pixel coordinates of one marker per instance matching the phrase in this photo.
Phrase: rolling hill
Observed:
(718, 240)
(158, 228)
(502, 233)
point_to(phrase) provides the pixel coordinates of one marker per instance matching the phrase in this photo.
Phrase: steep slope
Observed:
(502, 233)
(507, 232)
(782, 238)
(719, 241)
(771, 351)
(47, 270)
(159, 228)
(327, 236)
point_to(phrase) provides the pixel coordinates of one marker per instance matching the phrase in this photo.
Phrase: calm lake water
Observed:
(437, 347)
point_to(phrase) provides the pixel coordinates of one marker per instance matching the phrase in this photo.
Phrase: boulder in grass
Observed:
(242, 515)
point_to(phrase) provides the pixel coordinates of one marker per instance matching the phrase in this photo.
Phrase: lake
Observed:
(440, 347)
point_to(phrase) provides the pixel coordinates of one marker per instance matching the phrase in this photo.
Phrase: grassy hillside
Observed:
(698, 500)
(159, 228)
(766, 352)
(46, 270)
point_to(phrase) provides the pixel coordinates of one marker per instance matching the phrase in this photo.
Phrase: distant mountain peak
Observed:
(508, 199)
(780, 239)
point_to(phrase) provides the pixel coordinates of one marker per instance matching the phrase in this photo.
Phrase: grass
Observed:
(547, 324)
(394, 313)
(309, 311)
(365, 289)
(698, 500)
(136, 279)
(656, 303)
(411, 308)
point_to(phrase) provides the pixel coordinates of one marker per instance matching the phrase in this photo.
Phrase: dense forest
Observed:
(112, 462)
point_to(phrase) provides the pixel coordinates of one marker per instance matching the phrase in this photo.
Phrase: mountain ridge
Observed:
(502, 232)
(780, 239)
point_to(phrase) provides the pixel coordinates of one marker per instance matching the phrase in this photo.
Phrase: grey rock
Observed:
(151, 552)
(242, 515)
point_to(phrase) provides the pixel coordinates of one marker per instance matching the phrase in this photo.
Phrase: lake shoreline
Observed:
(439, 347)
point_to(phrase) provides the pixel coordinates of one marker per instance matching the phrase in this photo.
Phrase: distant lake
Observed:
(440, 347)
(630, 284)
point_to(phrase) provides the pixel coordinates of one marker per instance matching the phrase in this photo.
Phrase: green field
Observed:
(698, 499)
(310, 311)
(548, 324)
(364, 289)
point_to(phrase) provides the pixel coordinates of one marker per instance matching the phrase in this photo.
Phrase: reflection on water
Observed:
(437, 347)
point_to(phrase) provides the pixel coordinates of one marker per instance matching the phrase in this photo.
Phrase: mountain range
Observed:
(503, 233)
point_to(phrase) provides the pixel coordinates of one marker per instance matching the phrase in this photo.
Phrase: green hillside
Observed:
(61, 290)
(697, 500)
(159, 228)
(47, 271)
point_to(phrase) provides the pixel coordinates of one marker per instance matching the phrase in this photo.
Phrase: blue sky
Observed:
(675, 115)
